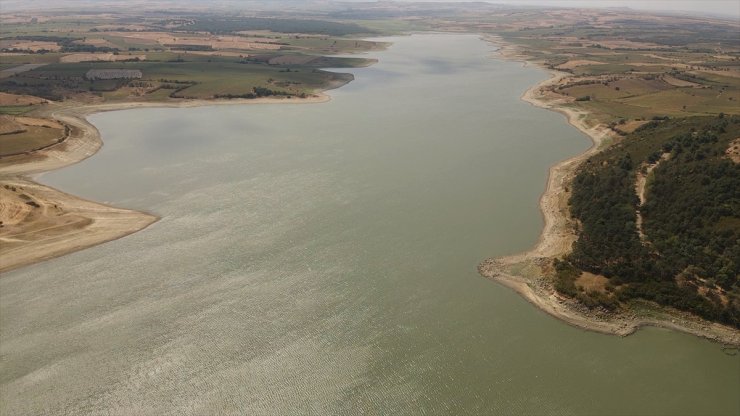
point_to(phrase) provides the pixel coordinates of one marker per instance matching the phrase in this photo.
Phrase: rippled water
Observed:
(321, 259)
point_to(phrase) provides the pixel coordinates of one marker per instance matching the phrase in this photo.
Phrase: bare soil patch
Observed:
(590, 282)
(215, 42)
(733, 152)
(679, 82)
(13, 99)
(24, 134)
(41, 122)
(8, 125)
(632, 125)
(578, 62)
(733, 73)
(40, 223)
(219, 53)
(627, 44)
(99, 57)
(30, 45)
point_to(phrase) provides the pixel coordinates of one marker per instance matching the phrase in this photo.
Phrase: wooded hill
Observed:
(689, 254)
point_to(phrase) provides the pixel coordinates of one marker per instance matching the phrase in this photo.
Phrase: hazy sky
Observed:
(728, 8)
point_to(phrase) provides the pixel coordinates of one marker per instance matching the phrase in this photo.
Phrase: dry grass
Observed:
(679, 82)
(99, 57)
(731, 74)
(30, 45)
(592, 282)
(628, 44)
(219, 53)
(13, 99)
(733, 152)
(216, 42)
(631, 125)
(577, 62)
(8, 125)
(41, 122)
(26, 134)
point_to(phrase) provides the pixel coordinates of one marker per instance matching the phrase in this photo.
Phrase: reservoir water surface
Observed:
(321, 259)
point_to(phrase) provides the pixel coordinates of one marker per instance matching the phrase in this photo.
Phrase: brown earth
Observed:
(9, 125)
(14, 99)
(590, 282)
(39, 223)
(101, 57)
(30, 45)
(733, 151)
(630, 126)
(25, 134)
(216, 42)
(574, 63)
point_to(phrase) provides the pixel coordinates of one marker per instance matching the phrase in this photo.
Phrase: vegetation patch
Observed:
(692, 220)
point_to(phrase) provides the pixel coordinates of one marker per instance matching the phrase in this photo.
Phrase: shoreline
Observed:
(526, 272)
(82, 224)
(40, 222)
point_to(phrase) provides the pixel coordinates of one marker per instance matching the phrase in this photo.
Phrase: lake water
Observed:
(321, 259)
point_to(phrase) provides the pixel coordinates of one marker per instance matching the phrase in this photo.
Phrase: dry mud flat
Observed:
(529, 273)
(40, 223)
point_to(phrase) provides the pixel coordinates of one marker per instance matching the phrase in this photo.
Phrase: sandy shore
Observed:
(529, 273)
(38, 222)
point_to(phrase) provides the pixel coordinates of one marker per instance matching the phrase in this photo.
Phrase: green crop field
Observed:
(15, 110)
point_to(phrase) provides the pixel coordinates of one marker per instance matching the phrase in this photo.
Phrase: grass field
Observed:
(35, 137)
(15, 109)
(621, 88)
(694, 100)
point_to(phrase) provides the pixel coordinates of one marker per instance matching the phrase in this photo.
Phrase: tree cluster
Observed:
(690, 256)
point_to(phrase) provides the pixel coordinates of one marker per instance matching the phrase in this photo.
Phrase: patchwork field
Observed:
(177, 62)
